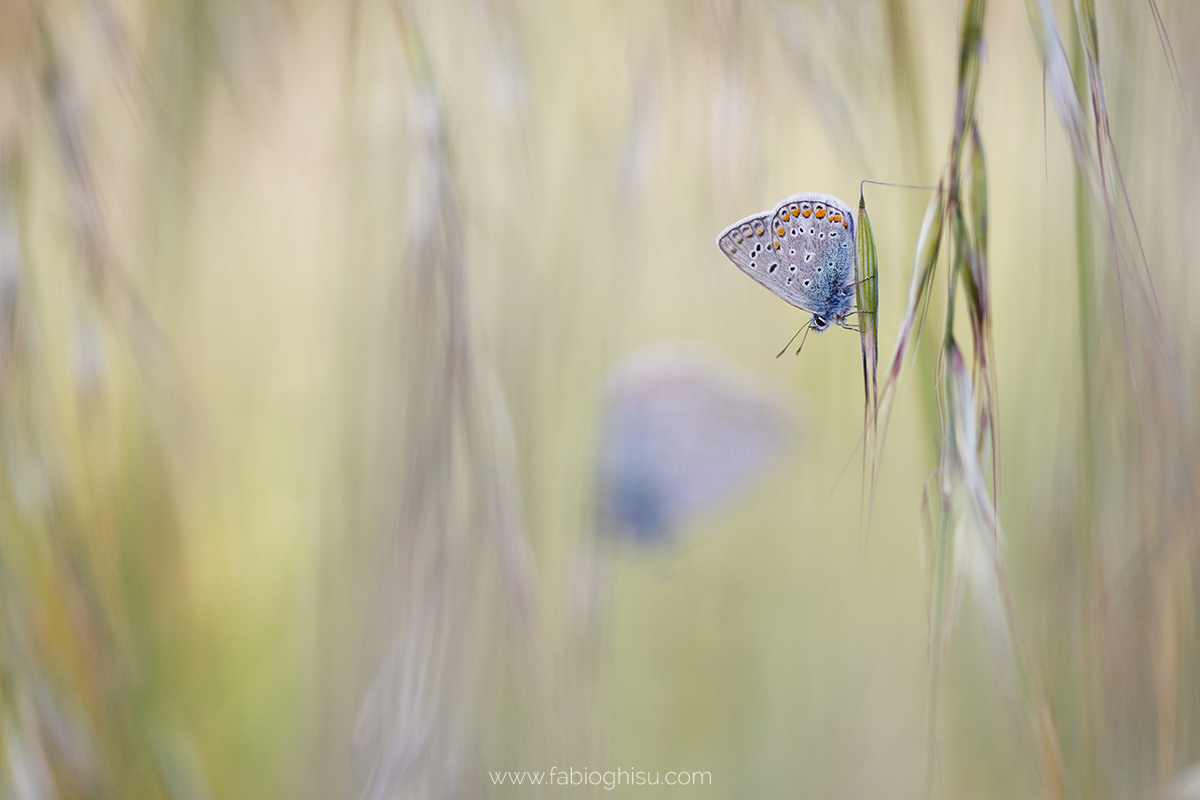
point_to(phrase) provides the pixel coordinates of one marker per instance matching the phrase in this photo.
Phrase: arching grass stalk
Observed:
(965, 396)
(454, 564)
(966, 508)
(1150, 450)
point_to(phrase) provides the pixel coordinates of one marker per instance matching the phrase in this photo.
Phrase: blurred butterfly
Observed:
(682, 433)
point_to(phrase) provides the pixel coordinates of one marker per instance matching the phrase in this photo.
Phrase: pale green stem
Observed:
(941, 575)
(1083, 519)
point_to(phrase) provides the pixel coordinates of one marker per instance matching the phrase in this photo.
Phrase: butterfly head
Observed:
(819, 323)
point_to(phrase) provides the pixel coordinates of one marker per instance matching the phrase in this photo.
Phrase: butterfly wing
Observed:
(803, 251)
(753, 247)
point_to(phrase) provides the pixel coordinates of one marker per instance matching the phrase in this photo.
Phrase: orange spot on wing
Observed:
(780, 231)
(806, 212)
(760, 231)
(820, 213)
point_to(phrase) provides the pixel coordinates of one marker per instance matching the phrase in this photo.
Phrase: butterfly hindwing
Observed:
(817, 236)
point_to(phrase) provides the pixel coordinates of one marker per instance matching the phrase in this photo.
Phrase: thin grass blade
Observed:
(924, 264)
(867, 299)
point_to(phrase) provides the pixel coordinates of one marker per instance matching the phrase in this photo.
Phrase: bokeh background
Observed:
(312, 325)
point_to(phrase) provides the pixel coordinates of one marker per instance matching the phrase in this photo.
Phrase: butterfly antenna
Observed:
(797, 333)
(805, 339)
(894, 185)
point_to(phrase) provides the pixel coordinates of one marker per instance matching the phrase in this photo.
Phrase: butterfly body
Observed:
(803, 250)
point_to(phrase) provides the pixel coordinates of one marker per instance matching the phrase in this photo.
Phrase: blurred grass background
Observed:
(306, 310)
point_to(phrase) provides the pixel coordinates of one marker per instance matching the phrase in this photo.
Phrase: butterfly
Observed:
(803, 250)
(682, 432)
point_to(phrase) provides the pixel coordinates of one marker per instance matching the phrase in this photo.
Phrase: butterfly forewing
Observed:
(745, 242)
(754, 247)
